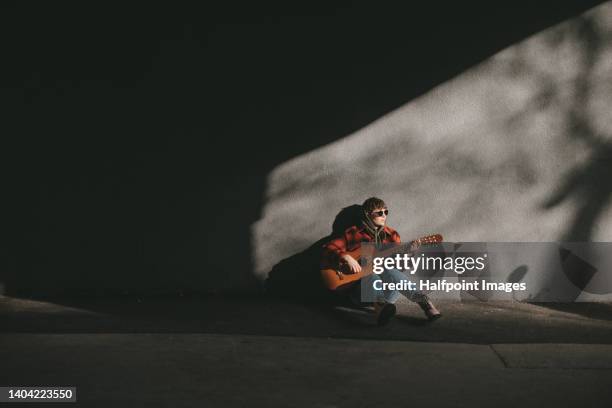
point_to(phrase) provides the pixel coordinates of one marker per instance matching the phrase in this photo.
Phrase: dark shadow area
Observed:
(137, 141)
(298, 277)
(600, 311)
(517, 274)
(463, 322)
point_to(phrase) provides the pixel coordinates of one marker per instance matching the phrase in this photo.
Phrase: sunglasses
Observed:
(380, 213)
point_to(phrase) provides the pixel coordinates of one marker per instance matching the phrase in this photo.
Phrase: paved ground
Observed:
(219, 351)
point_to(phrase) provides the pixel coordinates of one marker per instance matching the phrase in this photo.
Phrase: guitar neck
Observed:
(403, 247)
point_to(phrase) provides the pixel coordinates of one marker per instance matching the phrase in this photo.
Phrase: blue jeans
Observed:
(366, 291)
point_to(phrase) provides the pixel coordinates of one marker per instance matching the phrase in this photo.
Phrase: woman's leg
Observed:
(395, 276)
(367, 291)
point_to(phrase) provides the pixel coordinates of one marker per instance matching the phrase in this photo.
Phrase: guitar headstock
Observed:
(429, 240)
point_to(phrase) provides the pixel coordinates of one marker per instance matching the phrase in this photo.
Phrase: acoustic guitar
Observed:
(342, 277)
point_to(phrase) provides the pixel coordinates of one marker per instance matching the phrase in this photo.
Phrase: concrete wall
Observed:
(516, 148)
(168, 149)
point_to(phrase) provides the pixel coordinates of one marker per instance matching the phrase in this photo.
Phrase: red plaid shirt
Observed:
(350, 241)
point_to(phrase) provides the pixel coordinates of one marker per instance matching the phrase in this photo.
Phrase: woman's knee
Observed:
(393, 275)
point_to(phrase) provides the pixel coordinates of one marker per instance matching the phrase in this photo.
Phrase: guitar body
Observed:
(342, 278)
(335, 279)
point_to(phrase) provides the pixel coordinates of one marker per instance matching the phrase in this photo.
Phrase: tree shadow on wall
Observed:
(587, 184)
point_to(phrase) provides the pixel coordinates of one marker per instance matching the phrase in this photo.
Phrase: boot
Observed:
(384, 312)
(430, 310)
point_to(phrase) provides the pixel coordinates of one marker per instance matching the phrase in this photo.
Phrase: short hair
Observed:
(373, 203)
